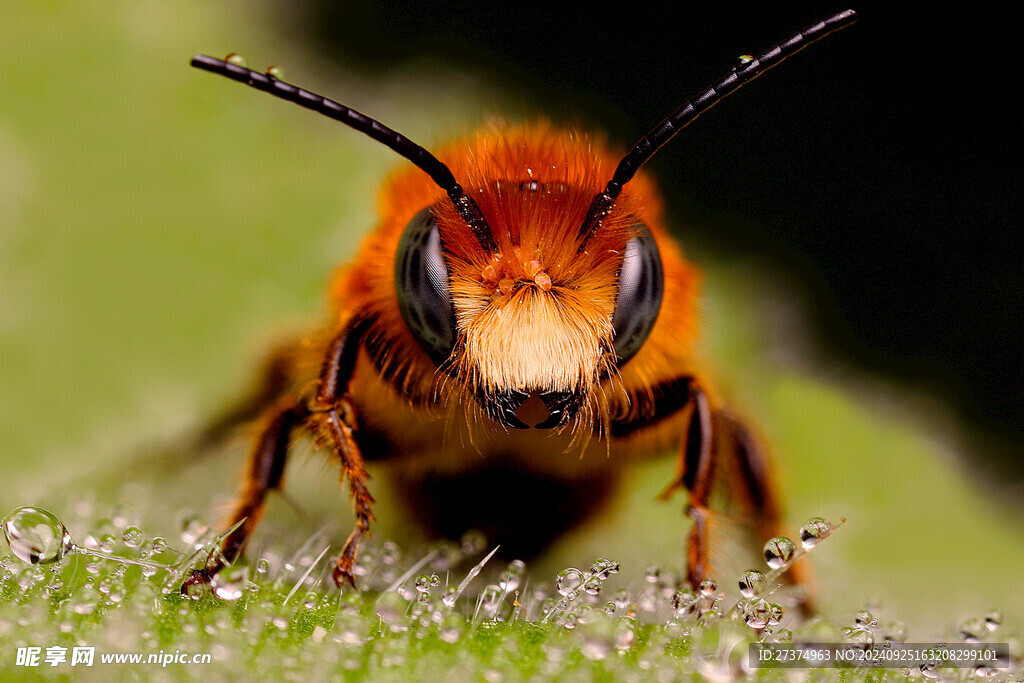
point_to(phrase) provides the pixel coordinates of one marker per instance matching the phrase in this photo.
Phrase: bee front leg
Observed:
(697, 474)
(265, 472)
(697, 457)
(333, 421)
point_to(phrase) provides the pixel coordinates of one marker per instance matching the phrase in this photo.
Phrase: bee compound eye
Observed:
(641, 285)
(421, 279)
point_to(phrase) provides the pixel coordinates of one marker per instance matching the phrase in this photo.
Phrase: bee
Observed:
(517, 328)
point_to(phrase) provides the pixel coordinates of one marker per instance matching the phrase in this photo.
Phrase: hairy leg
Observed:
(333, 423)
(330, 417)
(697, 457)
(265, 472)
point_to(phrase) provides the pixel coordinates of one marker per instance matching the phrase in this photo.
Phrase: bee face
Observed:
(531, 330)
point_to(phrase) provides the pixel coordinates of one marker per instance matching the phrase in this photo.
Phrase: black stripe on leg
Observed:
(697, 461)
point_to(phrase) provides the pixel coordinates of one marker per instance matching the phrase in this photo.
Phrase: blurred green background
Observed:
(160, 227)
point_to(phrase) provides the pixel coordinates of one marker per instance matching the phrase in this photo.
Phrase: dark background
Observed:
(882, 164)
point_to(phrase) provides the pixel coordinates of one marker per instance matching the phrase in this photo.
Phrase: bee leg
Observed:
(270, 386)
(334, 424)
(265, 471)
(697, 473)
(759, 491)
(697, 456)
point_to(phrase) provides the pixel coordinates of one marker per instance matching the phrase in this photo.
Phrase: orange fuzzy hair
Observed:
(537, 309)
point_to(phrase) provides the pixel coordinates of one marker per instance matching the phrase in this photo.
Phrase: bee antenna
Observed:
(423, 159)
(747, 70)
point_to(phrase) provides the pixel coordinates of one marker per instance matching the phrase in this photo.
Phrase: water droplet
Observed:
(192, 528)
(262, 567)
(490, 599)
(865, 619)
(603, 568)
(132, 537)
(122, 515)
(652, 573)
(568, 581)
(229, 584)
(609, 608)
(446, 555)
(858, 635)
(452, 628)
(116, 592)
(106, 542)
(757, 613)
(512, 577)
(389, 553)
(708, 587)
(743, 60)
(86, 600)
(450, 595)
(423, 583)
(275, 72)
(974, 630)
(592, 586)
(36, 535)
(648, 599)
(993, 620)
(236, 59)
(625, 634)
(195, 591)
(473, 542)
(775, 614)
(813, 531)
(597, 637)
(391, 610)
(779, 551)
(683, 601)
(750, 583)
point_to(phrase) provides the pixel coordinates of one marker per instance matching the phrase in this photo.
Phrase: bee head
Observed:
(531, 327)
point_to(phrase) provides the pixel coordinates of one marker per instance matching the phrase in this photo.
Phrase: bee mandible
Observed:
(517, 328)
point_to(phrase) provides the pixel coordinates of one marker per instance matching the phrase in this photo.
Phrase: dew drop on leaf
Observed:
(751, 582)
(36, 535)
(229, 584)
(512, 577)
(993, 620)
(598, 638)
(132, 537)
(779, 551)
(568, 581)
(473, 542)
(757, 613)
(603, 568)
(814, 530)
